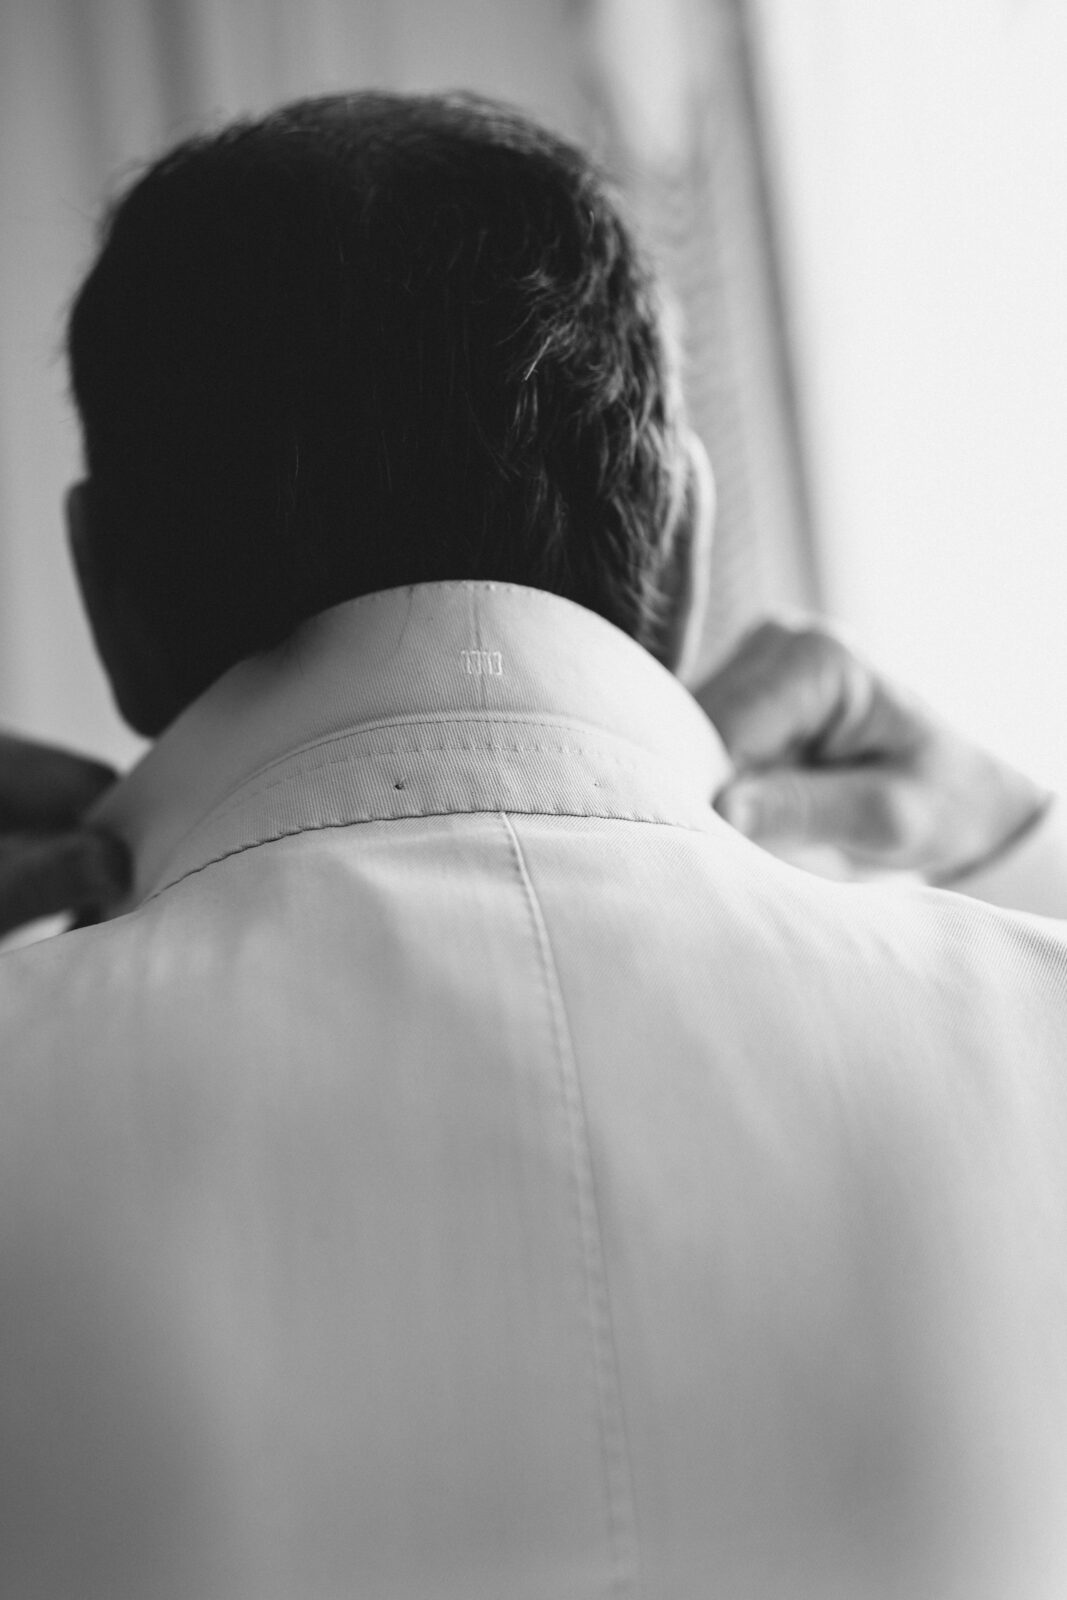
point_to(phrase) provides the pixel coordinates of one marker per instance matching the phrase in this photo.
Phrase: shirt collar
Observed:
(367, 679)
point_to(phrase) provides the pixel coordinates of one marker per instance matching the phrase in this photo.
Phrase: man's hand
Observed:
(828, 754)
(49, 862)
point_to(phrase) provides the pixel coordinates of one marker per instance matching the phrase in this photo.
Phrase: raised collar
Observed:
(390, 705)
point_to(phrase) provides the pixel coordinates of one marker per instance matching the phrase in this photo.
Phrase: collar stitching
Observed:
(243, 794)
(418, 816)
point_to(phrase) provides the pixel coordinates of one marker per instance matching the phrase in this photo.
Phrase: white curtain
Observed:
(91, 88)
(680, 119)
(923, 151)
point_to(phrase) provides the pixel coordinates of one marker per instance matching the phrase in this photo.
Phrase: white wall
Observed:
(922, 161)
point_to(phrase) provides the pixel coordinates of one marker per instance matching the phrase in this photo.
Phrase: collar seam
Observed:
(244, 794)
(417, 816)
(448, 719)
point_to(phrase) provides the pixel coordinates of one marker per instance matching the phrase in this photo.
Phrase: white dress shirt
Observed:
(470, 1170)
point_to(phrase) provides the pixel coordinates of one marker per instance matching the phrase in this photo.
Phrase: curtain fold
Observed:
(677, 118)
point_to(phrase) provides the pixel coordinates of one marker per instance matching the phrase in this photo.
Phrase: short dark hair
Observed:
(365, 341)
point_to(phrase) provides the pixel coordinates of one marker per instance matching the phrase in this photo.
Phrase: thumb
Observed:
(871, 815)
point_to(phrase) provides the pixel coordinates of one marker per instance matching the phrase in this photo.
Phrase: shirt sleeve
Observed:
(1030, 875)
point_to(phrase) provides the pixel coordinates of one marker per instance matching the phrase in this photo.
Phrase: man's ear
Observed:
(139, 681)
(686, 579)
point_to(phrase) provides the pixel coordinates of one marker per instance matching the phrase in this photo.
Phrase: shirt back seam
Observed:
(614, 1451)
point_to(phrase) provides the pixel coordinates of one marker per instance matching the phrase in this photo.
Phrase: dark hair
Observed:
(367, 341)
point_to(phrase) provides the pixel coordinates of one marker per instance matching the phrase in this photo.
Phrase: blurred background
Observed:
(861, 207)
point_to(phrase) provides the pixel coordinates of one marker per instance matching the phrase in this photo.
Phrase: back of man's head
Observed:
(367, 341)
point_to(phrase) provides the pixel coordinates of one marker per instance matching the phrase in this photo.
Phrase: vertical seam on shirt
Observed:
(614, 1453)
